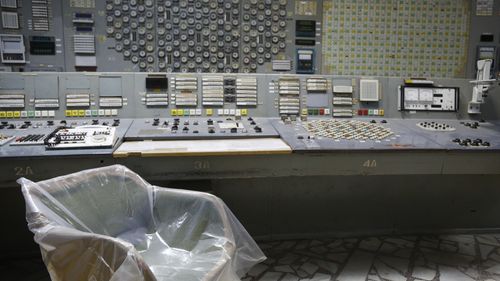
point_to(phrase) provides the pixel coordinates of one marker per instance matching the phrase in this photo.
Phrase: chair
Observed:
(109, 224)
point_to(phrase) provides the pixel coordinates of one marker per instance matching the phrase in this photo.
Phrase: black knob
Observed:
(195, 132)
(5, 123)
(186, 123)
(486, 143)
(156, 119)
(211, 131)
(384, 121)
(210, 122)
(11, 126)
(185, 129)
(50, 122)
(457, 140)
(258, 129)
(63, 122)
(250, 119)
(175, 127)
(234, 130)
(373, 121)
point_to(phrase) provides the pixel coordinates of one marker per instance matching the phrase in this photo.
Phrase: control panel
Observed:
(210, 36)
(428, 98)
(78, 112)
(244, 36)
(90, 136)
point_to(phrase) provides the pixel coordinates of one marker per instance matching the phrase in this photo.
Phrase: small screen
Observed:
(305, 28)
(305, 42)
(156, 83)
(487, 37)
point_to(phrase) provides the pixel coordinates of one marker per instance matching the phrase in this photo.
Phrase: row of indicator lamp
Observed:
(316, 111)
(91, 113)
(371, 112)
(209, 112)
(27, 114)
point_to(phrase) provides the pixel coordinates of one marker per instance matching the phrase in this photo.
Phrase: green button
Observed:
(95, 112)
(31, 114)
(370, 112)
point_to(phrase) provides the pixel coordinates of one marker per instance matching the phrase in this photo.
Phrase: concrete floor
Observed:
(400, 258)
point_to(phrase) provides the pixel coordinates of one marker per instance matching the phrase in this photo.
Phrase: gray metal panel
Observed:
(11, 81)
(46, 87)
(110, 86)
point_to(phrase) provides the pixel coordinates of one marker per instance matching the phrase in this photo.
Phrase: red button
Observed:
(322, 111)
(360, 112)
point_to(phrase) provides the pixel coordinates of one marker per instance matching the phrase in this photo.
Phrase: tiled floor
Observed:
(402, 258)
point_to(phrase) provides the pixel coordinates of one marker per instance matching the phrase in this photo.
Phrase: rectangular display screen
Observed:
(305, 28)
(156, 83)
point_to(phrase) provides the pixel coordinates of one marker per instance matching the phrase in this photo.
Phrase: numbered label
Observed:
(370, 164)
(23, 171)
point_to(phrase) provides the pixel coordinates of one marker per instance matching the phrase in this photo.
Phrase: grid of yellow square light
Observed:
(424, 38)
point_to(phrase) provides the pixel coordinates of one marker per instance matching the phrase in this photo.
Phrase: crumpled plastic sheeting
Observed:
(109, 224)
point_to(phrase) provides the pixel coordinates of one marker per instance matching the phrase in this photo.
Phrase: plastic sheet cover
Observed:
(109, 224)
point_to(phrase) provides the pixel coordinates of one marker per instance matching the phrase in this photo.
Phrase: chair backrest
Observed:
(108, 201)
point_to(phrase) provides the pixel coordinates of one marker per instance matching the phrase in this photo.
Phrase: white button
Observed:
(101, 112)
(114, 112)
(220, 111)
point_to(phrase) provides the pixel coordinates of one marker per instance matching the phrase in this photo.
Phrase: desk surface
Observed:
(202, 147)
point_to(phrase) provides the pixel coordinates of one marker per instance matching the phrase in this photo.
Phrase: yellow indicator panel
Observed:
(408, 38)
